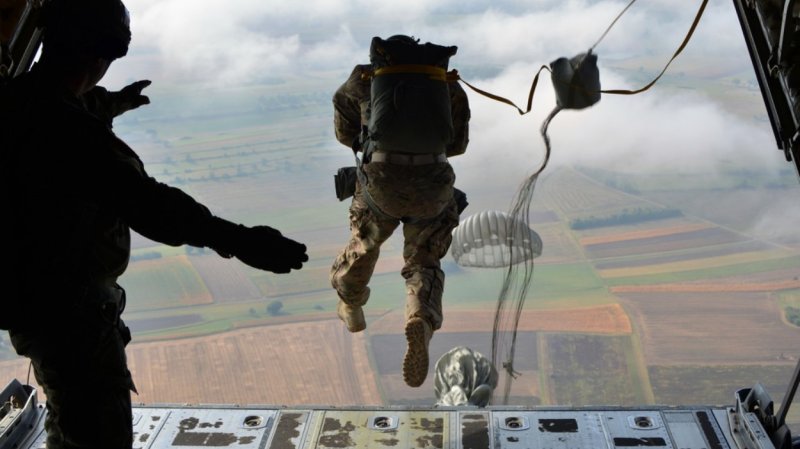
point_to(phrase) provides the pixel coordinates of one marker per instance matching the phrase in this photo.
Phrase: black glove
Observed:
(260, 247)
(130, 97)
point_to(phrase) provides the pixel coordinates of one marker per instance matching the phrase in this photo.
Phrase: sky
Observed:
(706, 114)
(501, 44)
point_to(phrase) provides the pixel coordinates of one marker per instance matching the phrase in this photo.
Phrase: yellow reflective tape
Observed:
(436, 73)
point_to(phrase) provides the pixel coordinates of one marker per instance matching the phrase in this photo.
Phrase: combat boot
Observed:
(353, 315)
(415, 362)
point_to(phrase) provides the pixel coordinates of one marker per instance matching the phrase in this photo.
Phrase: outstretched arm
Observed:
(168, 215)
(106, 105)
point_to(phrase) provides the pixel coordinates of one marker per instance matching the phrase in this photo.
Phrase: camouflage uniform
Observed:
(74, 191)
(421, 193)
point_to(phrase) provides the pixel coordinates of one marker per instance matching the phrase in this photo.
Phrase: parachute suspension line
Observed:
(453, 75)
(674, 55)
(614, 22)
(515, 287)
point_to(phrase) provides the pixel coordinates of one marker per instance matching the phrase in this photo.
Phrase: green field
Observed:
(595, 370)
(715, 385)
(740, 269)
(163, 283)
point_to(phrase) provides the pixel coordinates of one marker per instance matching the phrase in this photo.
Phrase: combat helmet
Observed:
(99, 28)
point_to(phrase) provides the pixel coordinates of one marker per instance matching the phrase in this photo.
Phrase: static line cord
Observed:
(674, 55)
(612, 25)
(521, 208)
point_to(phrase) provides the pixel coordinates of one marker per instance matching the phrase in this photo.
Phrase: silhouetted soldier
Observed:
(72, 192)
(408, 183)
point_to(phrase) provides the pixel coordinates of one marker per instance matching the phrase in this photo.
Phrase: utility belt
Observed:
(346, 177)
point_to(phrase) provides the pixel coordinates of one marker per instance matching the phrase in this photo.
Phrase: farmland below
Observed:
(642, 311)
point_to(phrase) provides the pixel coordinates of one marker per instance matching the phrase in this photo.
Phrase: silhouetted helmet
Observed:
(98, 28)
(403, 38)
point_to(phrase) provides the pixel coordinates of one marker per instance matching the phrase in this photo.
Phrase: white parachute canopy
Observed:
(492, 239)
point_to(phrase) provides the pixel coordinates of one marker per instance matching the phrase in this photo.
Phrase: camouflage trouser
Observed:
(82, 368)
(424, 193)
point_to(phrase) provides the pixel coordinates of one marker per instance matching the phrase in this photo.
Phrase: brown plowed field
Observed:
(710, 252)
(707, 287)
(16, 369)
(310, 363)
(642, 234)
(607, 319)
(710, 328)
(670, 242)
(766, 277)
(752, 257)
(304, 363)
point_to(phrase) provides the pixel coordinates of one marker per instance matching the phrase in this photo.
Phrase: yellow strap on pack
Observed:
(454, 76)
(436, 73)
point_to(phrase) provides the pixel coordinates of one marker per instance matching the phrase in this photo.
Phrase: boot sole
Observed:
(415, 362)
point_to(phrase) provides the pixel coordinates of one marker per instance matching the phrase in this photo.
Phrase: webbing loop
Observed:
(675, 55)
(435, 73)
(453, 75)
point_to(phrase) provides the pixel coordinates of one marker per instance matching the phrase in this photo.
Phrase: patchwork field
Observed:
(608, 319)
(591, 369)
(605, 237)
(686, 255)
(310, 363)
(576, 195)
(316, 363)
(674, 311)
(663, 243)
(716, 384)
(711, 328)
(225, 279)
(474, 329)
(165, 282)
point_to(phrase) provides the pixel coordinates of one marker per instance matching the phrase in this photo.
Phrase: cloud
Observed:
(501, 45)
(235, 41)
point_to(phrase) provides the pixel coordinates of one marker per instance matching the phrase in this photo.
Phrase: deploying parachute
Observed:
(464, 377)
(492, 239)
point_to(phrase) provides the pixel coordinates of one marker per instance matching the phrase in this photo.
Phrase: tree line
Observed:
(627, 216)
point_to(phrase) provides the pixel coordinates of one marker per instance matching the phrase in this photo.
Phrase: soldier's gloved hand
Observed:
(260, 247)
(130, 97)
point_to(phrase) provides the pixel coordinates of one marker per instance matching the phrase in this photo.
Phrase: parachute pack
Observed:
(409, 97)
(410, 110)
